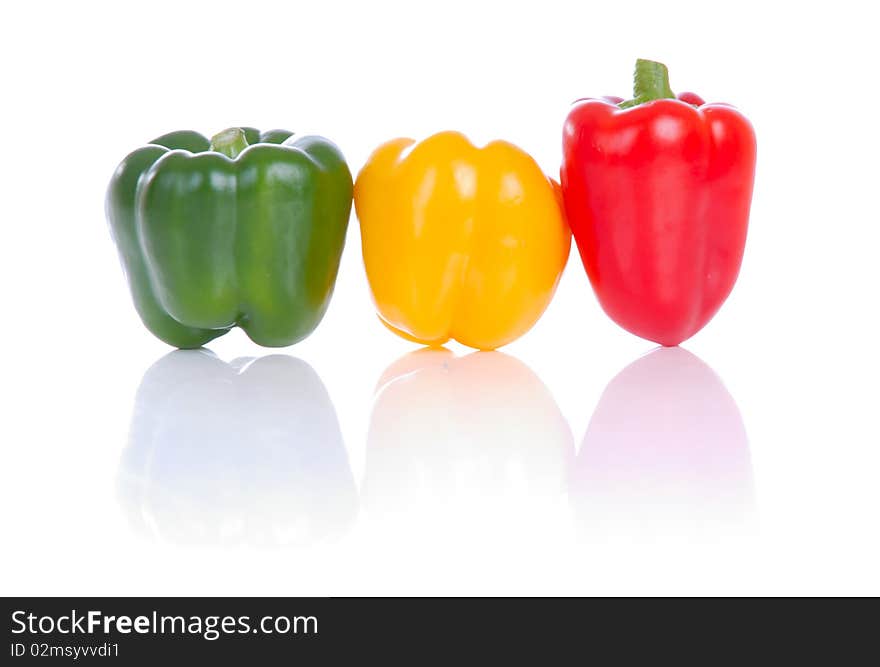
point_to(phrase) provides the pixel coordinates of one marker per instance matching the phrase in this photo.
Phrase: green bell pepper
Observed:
(246, 229)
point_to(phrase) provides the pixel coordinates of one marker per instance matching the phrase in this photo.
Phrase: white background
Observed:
(459, 487)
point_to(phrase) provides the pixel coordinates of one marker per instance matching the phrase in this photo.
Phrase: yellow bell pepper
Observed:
(459, 242)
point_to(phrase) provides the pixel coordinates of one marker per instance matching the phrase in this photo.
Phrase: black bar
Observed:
(416, 631)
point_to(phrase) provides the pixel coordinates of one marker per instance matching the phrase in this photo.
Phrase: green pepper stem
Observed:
(650, 82)
(230, 142)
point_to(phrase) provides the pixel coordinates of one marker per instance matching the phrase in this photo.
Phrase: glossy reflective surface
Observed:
(665, 456)
(247, 452)
(464, 448)
(458, 447)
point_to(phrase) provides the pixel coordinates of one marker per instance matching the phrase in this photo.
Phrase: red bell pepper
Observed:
(657, 192)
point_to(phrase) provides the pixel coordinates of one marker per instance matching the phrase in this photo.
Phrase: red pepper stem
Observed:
(650, 82)
(229, 142)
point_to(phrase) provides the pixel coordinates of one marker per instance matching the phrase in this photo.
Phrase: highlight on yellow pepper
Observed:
(460, 242)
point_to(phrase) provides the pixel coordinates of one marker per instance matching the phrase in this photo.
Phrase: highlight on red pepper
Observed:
(657, 191)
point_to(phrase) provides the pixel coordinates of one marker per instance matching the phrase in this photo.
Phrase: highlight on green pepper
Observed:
(245, 229)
